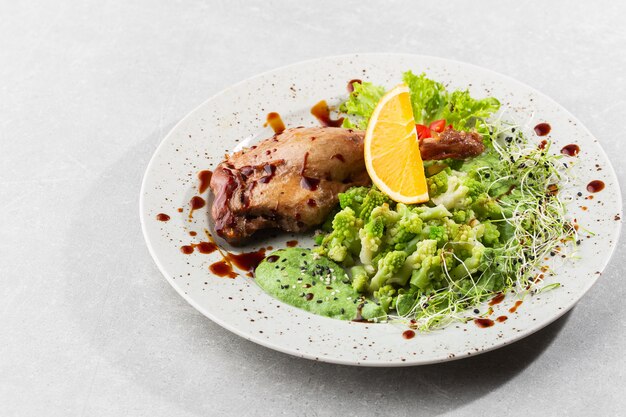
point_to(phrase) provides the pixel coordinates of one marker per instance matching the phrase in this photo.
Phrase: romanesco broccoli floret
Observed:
(439, 234)
(491, 234)
(473, 262)
(477, 232)
(353, 198)
(452, 227)
(407, 226)
(373, 199)
(371, 239)
(410, 219)
(462, 234)
(456, 196)
(360, 278)
(448, 260)
(409, 247)
(470, 264)
(462, 216)
(486, 207)
(432, 213)
(387, 268)
(474, 186)
(437, 184)
(340, 244)
(461, 192)
(431, 268)
(431, 273)
(381, 254)
(422, 250)
(385, 212)
(385, 296)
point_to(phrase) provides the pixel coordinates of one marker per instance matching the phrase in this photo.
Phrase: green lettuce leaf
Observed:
(464, 112)
(361, 104)
(428, 97)
(430, 101)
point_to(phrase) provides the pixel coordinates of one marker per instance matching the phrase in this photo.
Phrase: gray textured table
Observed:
(87, 91)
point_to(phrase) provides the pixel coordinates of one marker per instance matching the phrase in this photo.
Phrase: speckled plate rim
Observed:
(373, 363)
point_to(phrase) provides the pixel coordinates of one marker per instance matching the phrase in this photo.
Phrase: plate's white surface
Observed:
(235, 117)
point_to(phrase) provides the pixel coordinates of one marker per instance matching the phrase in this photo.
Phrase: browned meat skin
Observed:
(289, 181)
(452, 144)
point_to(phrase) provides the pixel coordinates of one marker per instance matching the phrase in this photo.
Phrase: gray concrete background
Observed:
(88, 89)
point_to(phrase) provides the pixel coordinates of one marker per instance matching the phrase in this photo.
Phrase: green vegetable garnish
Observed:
(361, 103)
(489, 225)
(430, 101)
(428, 97)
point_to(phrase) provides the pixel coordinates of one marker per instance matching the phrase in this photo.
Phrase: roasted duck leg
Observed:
(290, 181)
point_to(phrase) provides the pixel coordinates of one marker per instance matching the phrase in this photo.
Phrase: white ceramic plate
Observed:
(235, 117)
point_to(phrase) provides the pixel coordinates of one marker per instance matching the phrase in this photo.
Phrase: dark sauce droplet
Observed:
(197, 202)
(497, 299)
(502, 319)
(595, 186)
(192, 233)
(162, 217)
(552, 190)
(408, 334)
(275, 122)
(292, 243)
(270, 171)
(246, 171)
(206, 247)
(309, 183)
(515, 306)
(322, 114)
(222, 269)
(542, 144)
(205, 180)
(247, 261)
(542, 129)
(350, 87)
(272, 258)
(309, 296)
(570, 150)
(484, 322)
(187, 249)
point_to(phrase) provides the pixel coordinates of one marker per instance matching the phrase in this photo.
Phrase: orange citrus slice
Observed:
(392, 153)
